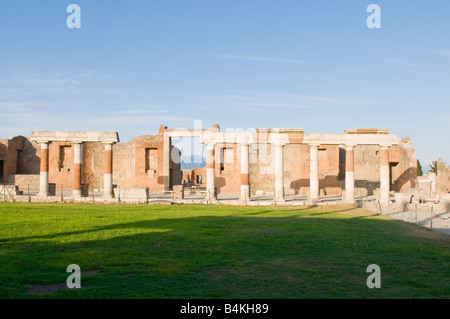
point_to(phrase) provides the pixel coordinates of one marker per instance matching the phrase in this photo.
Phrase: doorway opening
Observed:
(192, 161)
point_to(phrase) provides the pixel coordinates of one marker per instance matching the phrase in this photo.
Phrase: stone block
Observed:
(178, 192)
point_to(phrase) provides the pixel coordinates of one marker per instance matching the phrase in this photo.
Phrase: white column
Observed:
(279, 173)
(314, 172)
(384, 175)
(245, 188)
(167, 160)
(108, 176)
(210, 171)
(43, 183)
(349, 174)
(76, 169)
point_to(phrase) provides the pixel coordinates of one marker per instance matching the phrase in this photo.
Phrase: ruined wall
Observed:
(403, 165)
(296, 169)
(23, 181)
(140, 163)
(190, 176)
(123, 165)
(60, 165)
(261, 169)
(228, 168)
(367, 169)
(18, 156)
(443, 177)
(150, 172)
(92, 168)
(402, 162)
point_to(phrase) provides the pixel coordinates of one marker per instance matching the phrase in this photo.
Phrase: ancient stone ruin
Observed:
(268, 166)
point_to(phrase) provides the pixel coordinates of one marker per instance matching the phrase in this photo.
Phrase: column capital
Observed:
(76, 142)
(384, 147)
(349, 147)
(314, 145)
(210, 146)
(44, 145)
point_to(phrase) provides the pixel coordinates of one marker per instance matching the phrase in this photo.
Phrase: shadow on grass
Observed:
(295, 256)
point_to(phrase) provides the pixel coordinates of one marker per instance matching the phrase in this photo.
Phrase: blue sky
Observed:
(316, 65)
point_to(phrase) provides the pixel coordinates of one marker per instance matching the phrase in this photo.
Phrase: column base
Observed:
(312, 201)
(348, 200)
(212, 200)
(244, 198)
(76, 194)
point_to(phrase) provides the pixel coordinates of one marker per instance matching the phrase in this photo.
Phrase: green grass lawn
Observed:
(189, 251)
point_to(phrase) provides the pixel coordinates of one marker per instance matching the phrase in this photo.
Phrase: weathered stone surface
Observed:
(141, 163)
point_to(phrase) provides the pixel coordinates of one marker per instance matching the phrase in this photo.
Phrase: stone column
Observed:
(349, 174)
(166, 166)
(76, 169)
(314, 172)
(279, 173)
(245, 188)
(384, 175)
(210, 171)
(108, 177)
(43, 187)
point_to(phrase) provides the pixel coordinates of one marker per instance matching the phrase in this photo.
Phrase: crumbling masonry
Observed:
(275, 163)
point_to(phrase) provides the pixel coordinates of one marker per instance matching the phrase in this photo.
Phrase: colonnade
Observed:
(279, 196)
(77, 169)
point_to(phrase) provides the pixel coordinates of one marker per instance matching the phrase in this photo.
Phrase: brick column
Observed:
(349, 174)
(314, 172)
(166, 164)
(76, 169)
(279, 173)
(43, 186)
(108, 177)
(245, 188)
(210, 170)
(384, 175)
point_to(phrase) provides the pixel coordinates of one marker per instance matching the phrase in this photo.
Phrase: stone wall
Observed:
(19, 155)
(140, 163)
(296, 169)
(443, 177)
(228, 168)
(23, 181)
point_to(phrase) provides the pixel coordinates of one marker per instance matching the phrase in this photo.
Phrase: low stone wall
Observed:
(141, 194)
(23, 180)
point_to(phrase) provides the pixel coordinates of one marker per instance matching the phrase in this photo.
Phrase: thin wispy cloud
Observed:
(151, 110)
(437, 51)
(323, 100)
(67, 82)
(398, 62)
(260, 58)
(241, 99)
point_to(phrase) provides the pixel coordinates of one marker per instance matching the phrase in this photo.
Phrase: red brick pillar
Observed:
(245, 188)
(349, 174)
(43, 187)
(77, 159)
(108, 178)
(384, 175)
(210, 170)
(314, 172)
